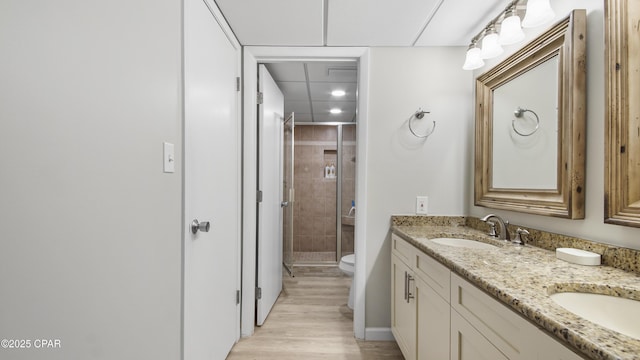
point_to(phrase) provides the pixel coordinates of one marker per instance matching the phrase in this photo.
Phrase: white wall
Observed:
(593, 226)
(400, 166)
(90, 227)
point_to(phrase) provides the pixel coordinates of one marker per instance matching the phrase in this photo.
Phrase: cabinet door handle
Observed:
(406, 288)
(409, 294)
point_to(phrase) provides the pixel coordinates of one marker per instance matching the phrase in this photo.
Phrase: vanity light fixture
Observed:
(537, 13)
(473, 60)
(338, 93)
(510, 29)
(335, 111)
(490, 46)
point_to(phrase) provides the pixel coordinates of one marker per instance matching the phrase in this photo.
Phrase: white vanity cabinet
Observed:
(436, 314)
(420, 303)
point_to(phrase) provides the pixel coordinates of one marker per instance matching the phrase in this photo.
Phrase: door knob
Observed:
(199, 226)
(284, 204)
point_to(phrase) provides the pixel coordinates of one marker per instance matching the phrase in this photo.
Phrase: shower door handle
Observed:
(284, 204)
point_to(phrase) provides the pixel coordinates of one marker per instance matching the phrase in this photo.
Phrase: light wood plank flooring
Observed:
(310, 321)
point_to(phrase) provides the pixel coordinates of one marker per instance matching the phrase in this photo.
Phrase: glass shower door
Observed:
(288, 195)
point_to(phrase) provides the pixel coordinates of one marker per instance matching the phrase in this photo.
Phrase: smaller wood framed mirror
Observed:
(530, 126)
(622, 130)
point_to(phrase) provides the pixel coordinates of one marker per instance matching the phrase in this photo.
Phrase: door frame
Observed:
(252, 55)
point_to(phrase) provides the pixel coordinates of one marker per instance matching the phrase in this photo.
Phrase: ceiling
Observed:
(307, 86)
(307, 89)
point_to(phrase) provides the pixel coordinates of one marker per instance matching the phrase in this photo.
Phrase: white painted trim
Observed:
(379, 334)
(259, 54)
(249, 188)
(360, 234)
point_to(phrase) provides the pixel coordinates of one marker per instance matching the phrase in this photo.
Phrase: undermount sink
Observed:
(612, 312)
(463, 243)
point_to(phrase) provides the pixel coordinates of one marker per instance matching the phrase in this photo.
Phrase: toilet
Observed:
(347, 265)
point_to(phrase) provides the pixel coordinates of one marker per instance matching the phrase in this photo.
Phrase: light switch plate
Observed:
(169, 158)
(422, 205)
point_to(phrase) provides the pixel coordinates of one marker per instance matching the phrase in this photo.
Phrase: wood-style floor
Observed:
(310, 321)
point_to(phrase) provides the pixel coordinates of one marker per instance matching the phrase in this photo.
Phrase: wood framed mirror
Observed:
(622, 130)
(530, 125)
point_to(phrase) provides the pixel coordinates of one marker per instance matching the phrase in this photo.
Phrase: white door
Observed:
(211, 186)
(270, 129)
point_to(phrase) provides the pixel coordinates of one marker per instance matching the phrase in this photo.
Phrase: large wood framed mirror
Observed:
(622, 130)
(530, 125)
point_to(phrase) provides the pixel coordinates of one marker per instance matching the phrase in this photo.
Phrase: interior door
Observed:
(288, 194)
(211, 186)
(270, 128)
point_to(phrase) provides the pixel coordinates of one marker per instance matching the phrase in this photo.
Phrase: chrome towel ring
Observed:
(519, 113)
(419, 114)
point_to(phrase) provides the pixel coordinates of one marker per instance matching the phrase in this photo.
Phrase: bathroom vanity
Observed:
(453, 301)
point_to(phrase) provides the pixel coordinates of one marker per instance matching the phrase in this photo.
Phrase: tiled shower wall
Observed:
(315, 205)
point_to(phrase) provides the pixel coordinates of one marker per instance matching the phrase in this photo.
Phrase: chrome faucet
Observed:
(502, 225)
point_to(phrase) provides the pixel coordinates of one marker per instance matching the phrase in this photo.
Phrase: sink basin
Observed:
(463, 243)
(612, 312)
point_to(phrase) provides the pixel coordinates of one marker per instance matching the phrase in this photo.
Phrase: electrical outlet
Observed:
(422, 205)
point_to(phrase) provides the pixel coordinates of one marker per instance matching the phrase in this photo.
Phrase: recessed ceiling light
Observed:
(338, 93)
(335, 111)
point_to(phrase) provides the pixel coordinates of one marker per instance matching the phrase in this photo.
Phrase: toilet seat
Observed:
(347, 264)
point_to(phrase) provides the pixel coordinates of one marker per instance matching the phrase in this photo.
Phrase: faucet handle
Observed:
(520, 233)
(492, 229)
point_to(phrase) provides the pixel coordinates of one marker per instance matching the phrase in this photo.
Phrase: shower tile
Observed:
(305, 226)
(330, 226)
(303, 133)
(306, 243)
(325, 133)
(317, 243)
(317, 189)
(318, 226)
(302, 170)
(330, 243)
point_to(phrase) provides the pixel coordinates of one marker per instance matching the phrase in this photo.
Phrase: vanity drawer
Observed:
(506, 330)
(436, 275)
(405, 251)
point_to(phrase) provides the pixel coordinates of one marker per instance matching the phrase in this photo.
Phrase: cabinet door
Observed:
(468, 344)
(403, 313)
(550, 349)
(433, 323)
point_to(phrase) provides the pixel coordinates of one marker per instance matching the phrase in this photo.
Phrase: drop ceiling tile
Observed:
(275, 22)
(323, 107)
(456, 22)
(332, 71)
(287, 71)
(295, 91)
(302, 117)
(296, 106)
(320, 91)
(379, 23)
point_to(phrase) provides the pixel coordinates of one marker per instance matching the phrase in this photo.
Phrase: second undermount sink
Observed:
(464, 243)
(612, 312)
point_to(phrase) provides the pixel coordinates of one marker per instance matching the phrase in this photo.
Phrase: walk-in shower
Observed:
(324, 177)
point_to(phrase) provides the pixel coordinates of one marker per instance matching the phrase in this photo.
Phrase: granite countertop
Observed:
(522, 277)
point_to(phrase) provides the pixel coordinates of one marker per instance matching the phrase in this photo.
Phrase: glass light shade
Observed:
(473, 60)
(539, 12)
(511, 31)
(490, 46)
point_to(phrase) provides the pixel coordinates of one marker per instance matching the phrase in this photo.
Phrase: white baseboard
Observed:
(378, 334)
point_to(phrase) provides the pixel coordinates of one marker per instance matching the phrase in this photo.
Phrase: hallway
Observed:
(310, 321)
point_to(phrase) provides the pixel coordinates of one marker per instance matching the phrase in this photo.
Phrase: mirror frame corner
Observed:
(567, 39)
